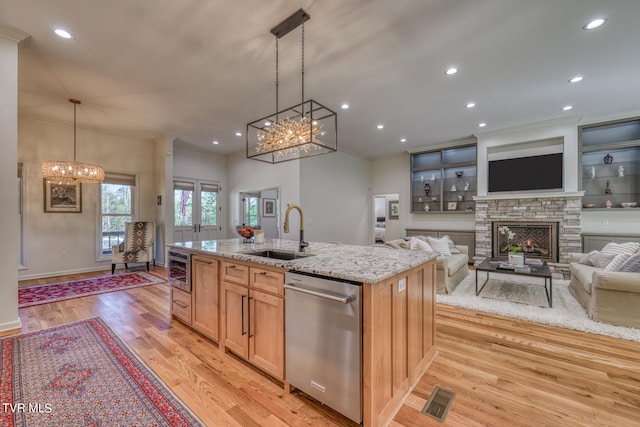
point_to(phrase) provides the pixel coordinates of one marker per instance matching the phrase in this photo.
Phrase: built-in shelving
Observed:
(610, 164)
(444, 181)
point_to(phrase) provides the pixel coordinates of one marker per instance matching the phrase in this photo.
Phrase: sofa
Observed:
(450, 269)
(607, 296)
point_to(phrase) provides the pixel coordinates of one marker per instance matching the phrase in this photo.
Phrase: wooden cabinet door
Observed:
(266, 332)
(181, 304)
(236, 314)
(205, 296)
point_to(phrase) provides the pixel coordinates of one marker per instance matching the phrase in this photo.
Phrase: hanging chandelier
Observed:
(304, 130)
(64, 171)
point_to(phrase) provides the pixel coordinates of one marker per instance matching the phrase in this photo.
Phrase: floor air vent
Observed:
(439, 403)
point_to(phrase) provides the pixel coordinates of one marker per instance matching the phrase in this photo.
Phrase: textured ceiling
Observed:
(199, 70)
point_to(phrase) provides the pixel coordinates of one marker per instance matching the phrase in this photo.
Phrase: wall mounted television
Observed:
(542, 172)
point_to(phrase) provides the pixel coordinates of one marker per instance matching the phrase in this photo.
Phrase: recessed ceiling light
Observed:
(567, 108)
(267, 123)
(238, 133)
(403, 140)
(345, 106)
(216, 142)
(380, 126)
(471, 105)
(594, 24)
(576, 79)
(481, 125)
(62, 33)
(451, 70)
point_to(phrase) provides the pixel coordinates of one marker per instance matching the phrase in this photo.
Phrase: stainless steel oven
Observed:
(179, 271)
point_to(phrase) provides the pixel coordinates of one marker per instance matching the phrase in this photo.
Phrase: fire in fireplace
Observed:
(534, 239)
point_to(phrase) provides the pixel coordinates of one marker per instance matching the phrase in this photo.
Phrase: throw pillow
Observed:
(452, 246)
(419, 244)
(603, 259)
(616, 262)
(629, 248)
(588, 259)
(631, 265)
(440, 245)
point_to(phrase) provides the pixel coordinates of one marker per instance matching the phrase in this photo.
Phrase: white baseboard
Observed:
(67, 272)
(8, 326)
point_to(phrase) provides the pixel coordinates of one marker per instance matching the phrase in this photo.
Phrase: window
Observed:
(251, 209)
(208, 204)
(117, 208)
(183, 203)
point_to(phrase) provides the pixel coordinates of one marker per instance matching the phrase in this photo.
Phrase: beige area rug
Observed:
(524, 298)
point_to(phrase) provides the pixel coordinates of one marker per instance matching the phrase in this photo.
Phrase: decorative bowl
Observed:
(459, 173)
(588, 205)
(629, 204)
(246, 232)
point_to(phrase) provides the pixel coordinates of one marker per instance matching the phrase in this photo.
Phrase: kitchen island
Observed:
(237, 299)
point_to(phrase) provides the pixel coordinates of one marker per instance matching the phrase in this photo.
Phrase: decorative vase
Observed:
(427, 188)
(608, 159)
(516, 259)
(608, 204)
(427, 208)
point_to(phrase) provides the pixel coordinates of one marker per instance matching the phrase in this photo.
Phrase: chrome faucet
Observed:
(303, 244)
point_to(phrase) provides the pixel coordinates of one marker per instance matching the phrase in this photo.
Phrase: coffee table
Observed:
(492, 265)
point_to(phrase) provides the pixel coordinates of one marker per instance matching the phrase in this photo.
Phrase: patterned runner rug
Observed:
(42, 294)
(82, 374)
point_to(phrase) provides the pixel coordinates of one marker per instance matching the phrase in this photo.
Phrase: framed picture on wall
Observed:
(62, 197)
(394, 209)
(268, 208)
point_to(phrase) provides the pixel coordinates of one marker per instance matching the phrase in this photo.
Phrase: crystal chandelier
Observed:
(65, 171)
(304, 130)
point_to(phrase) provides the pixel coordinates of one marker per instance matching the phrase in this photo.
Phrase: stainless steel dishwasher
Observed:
(323, 330)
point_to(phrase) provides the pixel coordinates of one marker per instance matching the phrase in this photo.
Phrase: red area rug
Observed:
(82, 374)
(42, 294)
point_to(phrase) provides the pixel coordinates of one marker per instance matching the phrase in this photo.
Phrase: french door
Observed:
(197, 211)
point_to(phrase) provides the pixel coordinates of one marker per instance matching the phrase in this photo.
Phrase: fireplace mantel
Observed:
(533, 195)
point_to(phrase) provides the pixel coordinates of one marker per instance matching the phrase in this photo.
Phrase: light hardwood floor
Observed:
(504, 372)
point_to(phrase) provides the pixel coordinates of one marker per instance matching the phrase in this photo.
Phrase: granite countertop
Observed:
(367, 264)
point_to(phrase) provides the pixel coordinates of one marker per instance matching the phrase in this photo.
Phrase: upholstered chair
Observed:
(138, 245)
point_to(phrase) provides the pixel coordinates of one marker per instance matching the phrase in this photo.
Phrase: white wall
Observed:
(247, 175)
(392, 175)
(566, 130)
(336, 198)
(270, 225)
(8, 172)
(200, 165)
(48, 235)
(380, 207)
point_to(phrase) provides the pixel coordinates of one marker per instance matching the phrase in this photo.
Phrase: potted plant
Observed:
(514, 255)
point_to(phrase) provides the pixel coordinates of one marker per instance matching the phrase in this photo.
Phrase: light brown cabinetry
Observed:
(398, 339)
(205, 303)
(253, 315)
(181, 305)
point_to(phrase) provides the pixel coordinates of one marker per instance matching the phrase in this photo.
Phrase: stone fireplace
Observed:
(563, 210)
(534, 239)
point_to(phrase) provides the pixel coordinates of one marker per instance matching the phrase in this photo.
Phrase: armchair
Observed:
(138, 245)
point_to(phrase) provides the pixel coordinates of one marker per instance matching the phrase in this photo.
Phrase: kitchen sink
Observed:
(279, 254)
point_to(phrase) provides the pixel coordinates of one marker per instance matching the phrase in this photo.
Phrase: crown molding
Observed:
(570, 120)
(13, 34)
